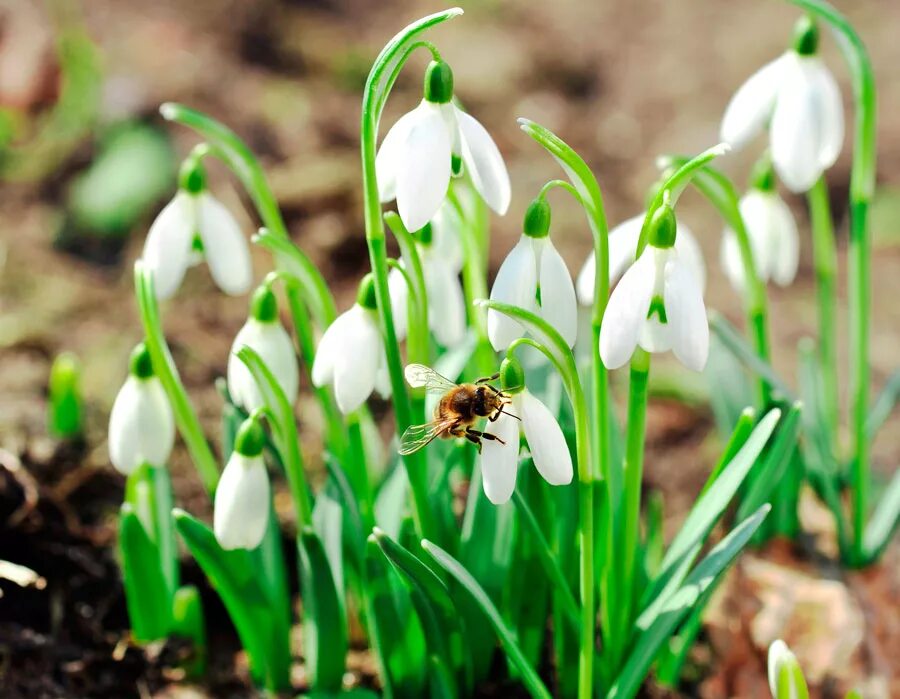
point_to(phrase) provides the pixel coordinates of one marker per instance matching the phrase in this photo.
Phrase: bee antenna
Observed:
(510, 414)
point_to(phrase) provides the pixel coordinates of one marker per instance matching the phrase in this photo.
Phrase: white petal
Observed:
(499, 461)
(730, 258)
(241, 508)
(168, 245)
(795, 132)
(545, 440)
(445, 241)
(398, 290)
(387, 160)
(224, 246)
(623, 240)
(357, 360)
(689, 251)
(786, 240)
(558, 304)
(423, 167)
(830, 110)
(516, 284)
(333, 339)
(484, 163)
(626, 312)
(655, 336)
(686, 315)
(274, 346)
(752, 104)
(447, 306)
(141, 425)
(584, 284)
(383, 379)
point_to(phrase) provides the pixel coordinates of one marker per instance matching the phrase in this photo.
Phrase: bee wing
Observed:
(418, 436)
(421, 376)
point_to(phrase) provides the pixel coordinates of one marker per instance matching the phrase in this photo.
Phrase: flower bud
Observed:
(438, 82)
(806, 36)
(786, 679)
(65, 396)
(663, 227)
(512, 376)
(537, 219)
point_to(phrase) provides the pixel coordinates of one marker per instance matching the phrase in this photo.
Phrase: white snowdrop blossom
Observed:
(242, 502)
(533, 267)
(500, 457)
(797, 96)
(446, 300)
(264, 334)
(658, 304)
(623, 241)
(141, 424)
(350, 356)
(415, 161)
(782, 661)
(773, 236)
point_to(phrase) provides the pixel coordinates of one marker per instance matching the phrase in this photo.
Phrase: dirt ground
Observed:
(621, 81)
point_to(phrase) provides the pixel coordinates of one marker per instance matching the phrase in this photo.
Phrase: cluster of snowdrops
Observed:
(492, 382)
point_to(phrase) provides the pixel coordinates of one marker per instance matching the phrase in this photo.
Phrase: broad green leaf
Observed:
(742, 430)
(884, 405)
(884, 520)
(473, 590)
(324, 618)
(149, 491)
(146, 590)
(235, 577)
(188, 622)
(391, 502)
(694, 591)
(712, 503)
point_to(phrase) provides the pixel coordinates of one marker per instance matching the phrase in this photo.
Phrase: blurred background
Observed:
(86, 163)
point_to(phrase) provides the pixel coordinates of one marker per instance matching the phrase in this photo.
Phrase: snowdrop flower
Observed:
(141, 424)
(446, 301)
(194, 222)
(786, 679)
(350, 355)
(773, 237)
(241, 507)
(534, 266)
(416, 159)
(623, 241)
(500, 456)
(658, 304)
(264, 334)
(798, 98)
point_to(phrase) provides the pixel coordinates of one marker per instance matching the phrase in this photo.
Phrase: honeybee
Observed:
(456, 412)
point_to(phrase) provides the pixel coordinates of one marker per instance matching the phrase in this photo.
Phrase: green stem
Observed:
(417, 322)
(634, 466)
(378, 86)
(164, 366)
(862, 187)
(825, 261)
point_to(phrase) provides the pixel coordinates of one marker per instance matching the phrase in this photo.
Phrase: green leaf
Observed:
(188, 622)
(235, 577)
(884, 520)
(710, 506)
(742, 430)
(65, 401)
(884, 405)
(149, 491)
(473, 590)
(147, 593)
(324, 618)
(730, 390)
(695, 591)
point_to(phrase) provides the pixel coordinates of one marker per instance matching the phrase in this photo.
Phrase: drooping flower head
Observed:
(350, 356)
(241, 507)
(500, 457)
(417, 157)
(786, 680)
(264, 334)
(141, 424)
(534, 277)
(446, 302)
(798, 98)
(192, 227)
(774, 241)
(658, 304)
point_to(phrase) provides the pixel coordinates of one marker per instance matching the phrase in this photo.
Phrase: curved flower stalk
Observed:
(623, 241)
(534, 277)
(141, 424)
(658, 304)
(500, 457)
(192, 227)
(350, 356)
(241, 507)
(798, 98)
(416, 158)
(441, 262)
(264, 334)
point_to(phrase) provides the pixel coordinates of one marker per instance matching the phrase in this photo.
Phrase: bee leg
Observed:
(483, 435)
(475, 439)
(488, 379)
